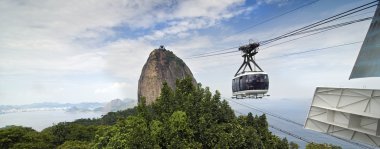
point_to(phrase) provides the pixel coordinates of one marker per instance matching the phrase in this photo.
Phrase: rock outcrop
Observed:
(162, 65)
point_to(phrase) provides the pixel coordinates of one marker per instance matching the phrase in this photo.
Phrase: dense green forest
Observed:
(187, 117)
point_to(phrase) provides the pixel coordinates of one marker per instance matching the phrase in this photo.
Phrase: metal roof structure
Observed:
(352, 114)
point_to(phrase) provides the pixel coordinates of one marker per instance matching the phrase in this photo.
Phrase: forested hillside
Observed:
(187, 117)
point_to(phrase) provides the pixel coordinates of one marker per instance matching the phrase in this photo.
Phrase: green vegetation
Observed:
(187, 117)
(23, 137)
(321, 146)
(109, 119)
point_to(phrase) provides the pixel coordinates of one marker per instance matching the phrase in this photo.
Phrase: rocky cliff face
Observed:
(162, 65)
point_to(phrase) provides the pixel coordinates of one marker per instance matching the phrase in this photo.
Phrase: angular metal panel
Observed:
(374, 105)
(317, 126)
(362, 138)
(352, 114)
(341, 118)
(376, 93)
(331, 100)
(351, 101)
(318, 112)
(330, 91)
(355, 93)
(356, 107)
(320, 102)
(341, 132)
(368, 62)
(326, 90)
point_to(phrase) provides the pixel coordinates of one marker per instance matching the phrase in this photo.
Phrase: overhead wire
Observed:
(304, 29)
(369, 12)
(268, 113)
(335, 25)
(353, 143)
(263, 22)
(231, 48)
(304, 51)
(317, 31)
(284, 131)
(313, 50)
(296, 123)
(324, 21)
(213, 54)
(332, 26)
(272, 18)
(322, 29)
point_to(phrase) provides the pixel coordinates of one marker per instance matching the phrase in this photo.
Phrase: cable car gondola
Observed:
(253, 83)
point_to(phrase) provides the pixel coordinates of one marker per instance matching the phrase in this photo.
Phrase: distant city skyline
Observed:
(93, 51)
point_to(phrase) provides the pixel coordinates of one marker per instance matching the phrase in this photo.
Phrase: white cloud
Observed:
(199, 14)
(112, 87)
(53, 33)
(110, 91)
(277, 2)
(71, 39)
(125, 58)
(50, 64)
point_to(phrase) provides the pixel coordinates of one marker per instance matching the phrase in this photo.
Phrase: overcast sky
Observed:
(94, 50)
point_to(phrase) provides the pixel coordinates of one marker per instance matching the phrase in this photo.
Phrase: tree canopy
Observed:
(187, 117)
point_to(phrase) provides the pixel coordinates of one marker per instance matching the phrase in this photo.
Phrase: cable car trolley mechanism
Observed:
(253, 83)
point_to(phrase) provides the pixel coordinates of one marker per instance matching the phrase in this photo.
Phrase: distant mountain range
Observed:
(105, 107)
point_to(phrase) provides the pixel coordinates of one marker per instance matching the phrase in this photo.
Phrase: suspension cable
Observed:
(316, 31)
(324, 21)
(296, 123)
(284, 131)
(272, 18)
(303, 30)
(320, 30)
(268, 113)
